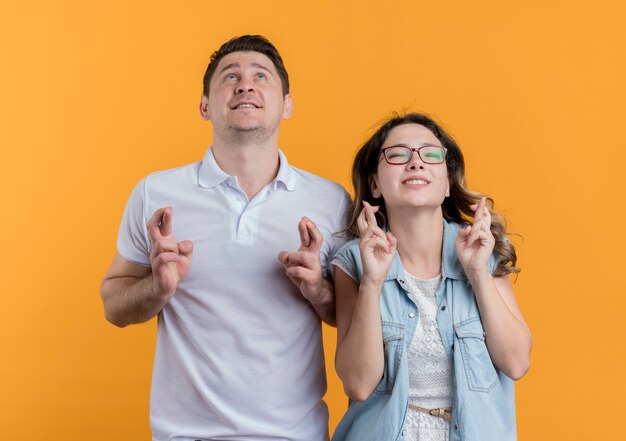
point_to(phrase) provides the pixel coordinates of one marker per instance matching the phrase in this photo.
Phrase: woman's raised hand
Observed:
(377, 248)
(474, 243)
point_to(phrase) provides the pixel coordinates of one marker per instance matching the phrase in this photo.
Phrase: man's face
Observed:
(245, 95)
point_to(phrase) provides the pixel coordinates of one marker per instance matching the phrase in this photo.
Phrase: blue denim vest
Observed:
(483, 405)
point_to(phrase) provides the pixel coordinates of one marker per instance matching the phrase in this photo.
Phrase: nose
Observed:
(416, 162)
(244, 86)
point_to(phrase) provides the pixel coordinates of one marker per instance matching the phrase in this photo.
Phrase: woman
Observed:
(429, 335)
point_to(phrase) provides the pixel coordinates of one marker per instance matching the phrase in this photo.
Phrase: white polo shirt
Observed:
(239, 351)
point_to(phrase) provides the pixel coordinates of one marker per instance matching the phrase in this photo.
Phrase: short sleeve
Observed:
(338, 238)
(346, 259)
(495, 261)
(133, 241)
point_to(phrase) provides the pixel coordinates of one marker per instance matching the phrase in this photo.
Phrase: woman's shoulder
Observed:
(348, 258)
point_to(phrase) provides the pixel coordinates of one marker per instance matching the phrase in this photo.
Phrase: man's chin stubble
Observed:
(245, 135)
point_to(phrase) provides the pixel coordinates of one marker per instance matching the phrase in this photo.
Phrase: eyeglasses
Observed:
(400, 154)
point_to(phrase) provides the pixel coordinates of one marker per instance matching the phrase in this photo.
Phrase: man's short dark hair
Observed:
(247, 43)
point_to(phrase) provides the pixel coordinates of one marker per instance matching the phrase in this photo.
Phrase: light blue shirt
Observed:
(239, 351)
(483, 406)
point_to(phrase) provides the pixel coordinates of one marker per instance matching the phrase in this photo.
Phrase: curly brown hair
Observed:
(456, 207)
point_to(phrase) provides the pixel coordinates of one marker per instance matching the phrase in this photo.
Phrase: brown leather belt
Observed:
(440, 412)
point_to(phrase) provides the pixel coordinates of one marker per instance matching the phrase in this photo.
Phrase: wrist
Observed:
(156, 291)
(477, 276)
(319, 295)
(369, 284)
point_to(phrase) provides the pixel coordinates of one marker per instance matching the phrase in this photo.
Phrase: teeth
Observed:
(415, 181)
(245, 106)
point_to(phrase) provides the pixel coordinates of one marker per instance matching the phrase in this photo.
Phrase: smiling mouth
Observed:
(415, 182)
(245, 106)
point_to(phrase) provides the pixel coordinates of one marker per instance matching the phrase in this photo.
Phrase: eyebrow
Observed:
(233, 65)
(260, 66)
(424, 144)
(229, 66)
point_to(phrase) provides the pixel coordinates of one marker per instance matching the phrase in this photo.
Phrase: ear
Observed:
(287, 106)
(204, 108)
(373, 181)
(447, 188)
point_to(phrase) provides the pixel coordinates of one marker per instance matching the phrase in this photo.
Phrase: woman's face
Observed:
(416, 183)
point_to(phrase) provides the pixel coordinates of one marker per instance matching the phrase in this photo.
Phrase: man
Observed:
(239, 352)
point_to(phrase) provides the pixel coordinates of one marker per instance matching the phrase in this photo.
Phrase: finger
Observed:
(164, 245)
(166, 222)
(376, 231)
(472, 237)
(301, 273)
(305, 259)
(166, 258)
(373, 231)
(480, 209)
(477, 234)
(305, 239)
(393, 242)
(185, 248)
(485, 223)
(482, 217)
(373, 207)
(293, 280)
(364, 221)
(463, 233)
(376, 242)
(361, 223)
(315, 236)
(153, 224)
(487, 217)
(164, 269)
(283, 257)
(369, 213)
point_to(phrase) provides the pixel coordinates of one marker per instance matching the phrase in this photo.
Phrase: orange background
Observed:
(95, 95)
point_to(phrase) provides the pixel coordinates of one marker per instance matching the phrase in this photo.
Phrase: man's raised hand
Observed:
(303, 266)
(170, 259)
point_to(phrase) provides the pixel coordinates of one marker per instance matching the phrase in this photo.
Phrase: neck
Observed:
(420, 239)
(255, 164)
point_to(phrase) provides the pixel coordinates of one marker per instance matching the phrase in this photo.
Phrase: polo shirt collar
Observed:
(285, 175)
(211, 175)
